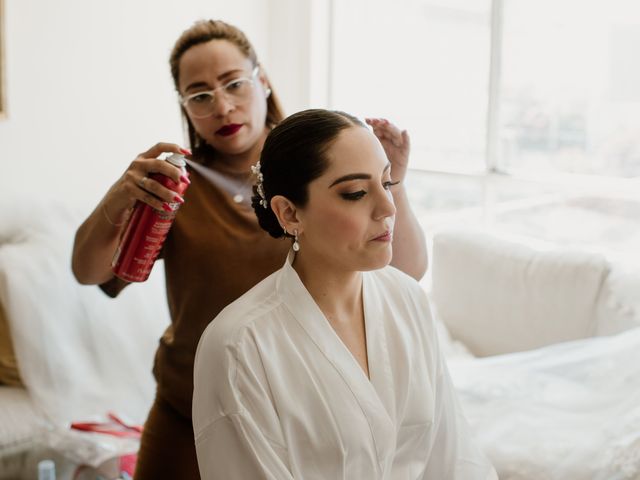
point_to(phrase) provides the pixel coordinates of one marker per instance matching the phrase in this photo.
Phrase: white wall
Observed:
(300, 56)
(89, 87)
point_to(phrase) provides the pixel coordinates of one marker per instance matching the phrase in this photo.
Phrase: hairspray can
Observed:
(146, 231)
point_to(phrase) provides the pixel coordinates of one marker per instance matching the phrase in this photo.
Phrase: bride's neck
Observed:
(332, 289)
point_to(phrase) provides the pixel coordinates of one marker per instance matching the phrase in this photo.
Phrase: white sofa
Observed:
(549, 376)
(537, 415)
(79, 353)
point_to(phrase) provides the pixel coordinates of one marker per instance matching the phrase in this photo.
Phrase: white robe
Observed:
(279, 396)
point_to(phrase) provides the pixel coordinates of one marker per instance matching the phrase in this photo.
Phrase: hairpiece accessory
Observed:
(296, 245)
(259, 188)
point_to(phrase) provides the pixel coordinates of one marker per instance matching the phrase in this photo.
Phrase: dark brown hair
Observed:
(293, 155)
(204, 31)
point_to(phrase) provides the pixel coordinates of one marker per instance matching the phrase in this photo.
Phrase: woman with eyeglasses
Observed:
(215, 250)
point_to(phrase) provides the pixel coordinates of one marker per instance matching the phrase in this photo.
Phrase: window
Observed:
(570, 87)
(524, 115)
(422, 64)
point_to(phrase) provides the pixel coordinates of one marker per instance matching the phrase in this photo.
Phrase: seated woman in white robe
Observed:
(330, 367)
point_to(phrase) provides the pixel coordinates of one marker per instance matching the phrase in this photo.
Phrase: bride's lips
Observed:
(384, 237)
(230, 129)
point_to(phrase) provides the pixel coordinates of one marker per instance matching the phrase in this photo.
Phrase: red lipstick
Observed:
(230, 129)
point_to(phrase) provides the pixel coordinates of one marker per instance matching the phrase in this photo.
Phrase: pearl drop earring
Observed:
(296, 245)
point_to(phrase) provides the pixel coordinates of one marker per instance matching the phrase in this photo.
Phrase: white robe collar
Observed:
(376, 396)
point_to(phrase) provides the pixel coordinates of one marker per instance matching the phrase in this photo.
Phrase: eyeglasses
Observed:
(238, 92)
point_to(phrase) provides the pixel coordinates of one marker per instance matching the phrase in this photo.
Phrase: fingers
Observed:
(138, 183)
(157, 203)
(385, 130)
(163, 147)
(147, 162)
(405, 139)
(155, 194)
(147, 166)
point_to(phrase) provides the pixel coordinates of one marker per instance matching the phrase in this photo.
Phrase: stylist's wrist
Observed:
(398, 173)
(115, 218)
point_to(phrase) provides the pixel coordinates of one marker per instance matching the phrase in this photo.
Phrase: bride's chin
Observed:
(379, 262)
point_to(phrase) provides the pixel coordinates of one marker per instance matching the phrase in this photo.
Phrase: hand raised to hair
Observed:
(396, 145)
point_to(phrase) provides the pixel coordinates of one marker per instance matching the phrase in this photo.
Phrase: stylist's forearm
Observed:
(409, 245)
(95, 243)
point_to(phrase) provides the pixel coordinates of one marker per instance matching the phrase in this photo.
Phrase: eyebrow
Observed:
(227, 74)
(357, 176)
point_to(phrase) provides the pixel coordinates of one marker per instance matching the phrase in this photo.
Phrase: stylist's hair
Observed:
(294, 154)
(204, 31)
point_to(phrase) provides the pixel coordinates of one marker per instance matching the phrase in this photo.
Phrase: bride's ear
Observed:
(287, 214)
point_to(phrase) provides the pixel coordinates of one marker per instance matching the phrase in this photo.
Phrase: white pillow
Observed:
(497, 296)
(619, 305)
(79, 352)
(20, 421)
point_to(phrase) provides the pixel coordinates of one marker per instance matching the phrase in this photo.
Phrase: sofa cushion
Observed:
(80, 353)
(619, 307)
(498, 296)
(9, 374)
(20, 420)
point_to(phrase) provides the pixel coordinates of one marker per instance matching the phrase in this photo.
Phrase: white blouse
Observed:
(279, 396)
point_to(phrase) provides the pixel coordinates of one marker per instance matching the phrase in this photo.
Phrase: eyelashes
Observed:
(353, 196)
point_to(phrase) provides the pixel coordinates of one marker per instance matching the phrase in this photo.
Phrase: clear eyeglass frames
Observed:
(238, 91)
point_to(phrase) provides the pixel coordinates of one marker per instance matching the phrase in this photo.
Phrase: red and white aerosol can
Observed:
(147, 230)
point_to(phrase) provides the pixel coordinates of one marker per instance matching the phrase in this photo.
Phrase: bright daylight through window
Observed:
(524, 115)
